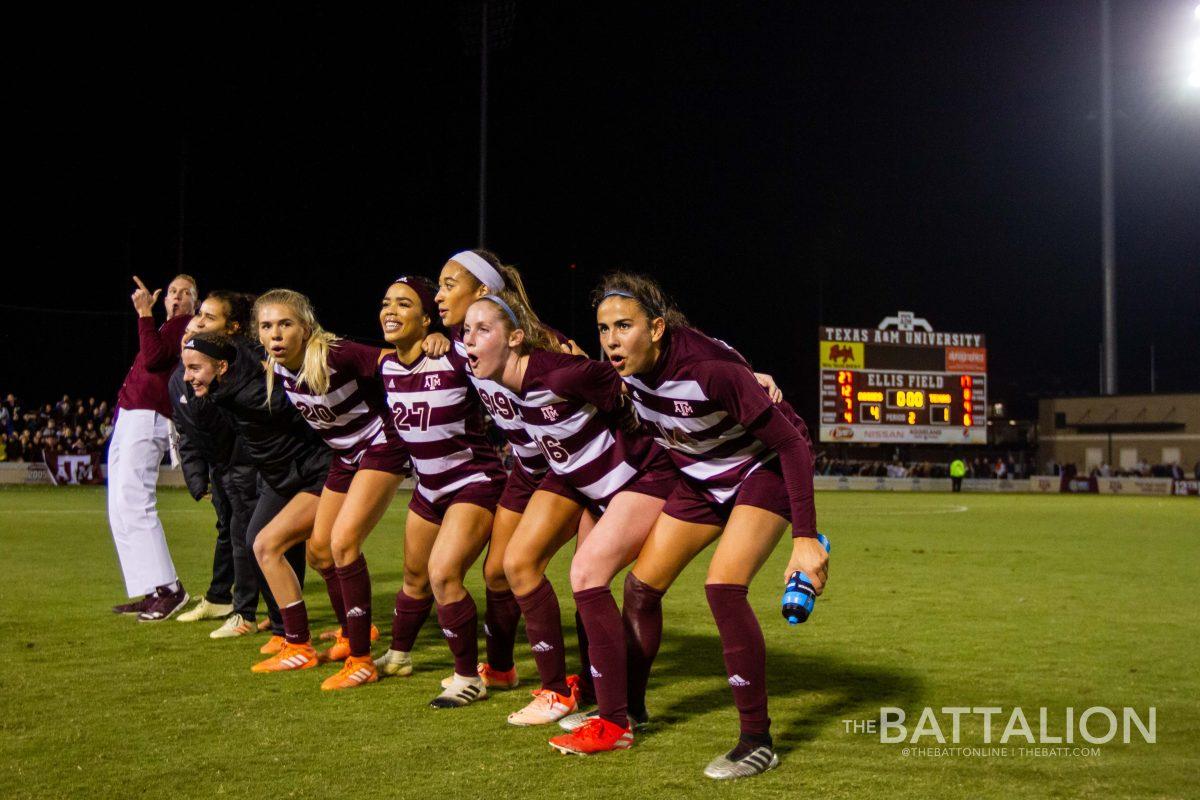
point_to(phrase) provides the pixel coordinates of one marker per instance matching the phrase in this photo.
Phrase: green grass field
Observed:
(935, 600)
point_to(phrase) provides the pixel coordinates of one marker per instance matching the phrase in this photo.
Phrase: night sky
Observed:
(775, 165)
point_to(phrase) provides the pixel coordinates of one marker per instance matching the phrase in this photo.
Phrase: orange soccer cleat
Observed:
(355, 672)
(492, 678)
(340, 649)
(499, 679)
(273, 646)
(547, 706)
(291, 656)
(597, 735)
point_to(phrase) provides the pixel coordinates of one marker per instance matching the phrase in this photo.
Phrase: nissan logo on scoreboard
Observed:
(903, 382)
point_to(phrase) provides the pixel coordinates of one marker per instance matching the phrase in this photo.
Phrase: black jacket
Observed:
(207, 436)
(289, 454)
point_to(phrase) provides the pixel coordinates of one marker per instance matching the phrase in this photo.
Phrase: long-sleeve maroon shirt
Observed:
(145, 386)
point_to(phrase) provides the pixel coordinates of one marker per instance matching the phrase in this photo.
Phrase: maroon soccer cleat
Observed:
(164, 604)
(134, 606)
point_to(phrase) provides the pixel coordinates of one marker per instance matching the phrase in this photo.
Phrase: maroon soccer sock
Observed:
(543, 626)
(295, 623)
(333, 585)
(356, 597)
(745, 654)
(409, 616)
(500, 619)
(606, 644)
(587, 687)
(643, 619)
(460, 626)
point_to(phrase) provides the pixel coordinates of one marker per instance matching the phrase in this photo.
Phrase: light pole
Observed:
(1107, 212)
(494, 31)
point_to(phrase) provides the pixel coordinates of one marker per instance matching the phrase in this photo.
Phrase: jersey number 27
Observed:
(408, 417)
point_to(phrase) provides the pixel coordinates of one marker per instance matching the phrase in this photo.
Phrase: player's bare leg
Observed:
(465, 530)
(292, 525)
(750, 537)
(609, 547)
(414, 600)
(549, 522)
(319, 553)
(501, 612)
(370, 493)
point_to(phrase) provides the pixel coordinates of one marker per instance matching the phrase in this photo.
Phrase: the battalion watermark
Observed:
(996, 732)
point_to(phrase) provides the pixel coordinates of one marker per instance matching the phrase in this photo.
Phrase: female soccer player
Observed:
(459, 480)
(570, 408)
(335, 386)
(291, 459)
(464, 278)
(747, 472)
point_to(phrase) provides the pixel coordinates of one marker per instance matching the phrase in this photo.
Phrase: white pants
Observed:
(138, 443)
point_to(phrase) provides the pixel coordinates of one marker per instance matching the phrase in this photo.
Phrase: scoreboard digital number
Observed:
(903, 382)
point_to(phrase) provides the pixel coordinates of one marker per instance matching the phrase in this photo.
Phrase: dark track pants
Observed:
(235, 577)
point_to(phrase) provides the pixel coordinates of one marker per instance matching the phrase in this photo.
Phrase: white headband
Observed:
(481, 269)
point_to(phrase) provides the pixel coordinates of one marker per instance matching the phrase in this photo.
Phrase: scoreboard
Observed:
(902, 382)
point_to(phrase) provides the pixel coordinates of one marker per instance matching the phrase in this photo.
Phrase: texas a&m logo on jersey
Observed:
(550, 413)
(683, 408)
(432, 382)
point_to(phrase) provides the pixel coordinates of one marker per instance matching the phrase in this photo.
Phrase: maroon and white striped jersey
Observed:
(501, 405)
(568, 408)
(698, 401)
(439, 418)
(352, 415)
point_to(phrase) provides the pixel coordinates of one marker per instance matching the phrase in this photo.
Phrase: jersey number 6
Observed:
(553, 449)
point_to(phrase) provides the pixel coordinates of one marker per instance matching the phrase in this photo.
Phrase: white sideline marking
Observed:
(102, 511)
(909, 512)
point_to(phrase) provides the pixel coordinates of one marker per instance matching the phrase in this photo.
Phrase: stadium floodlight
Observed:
(1193, 64)
(1193, 54)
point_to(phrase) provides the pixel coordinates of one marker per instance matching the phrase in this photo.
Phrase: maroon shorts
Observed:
(386, 456)
(764, 489)
(519, 487)
(657, 479)
(484, 493)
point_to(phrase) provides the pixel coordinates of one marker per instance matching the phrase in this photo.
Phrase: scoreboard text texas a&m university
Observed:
(903, 382)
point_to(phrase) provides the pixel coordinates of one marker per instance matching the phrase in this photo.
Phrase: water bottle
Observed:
(799, 596)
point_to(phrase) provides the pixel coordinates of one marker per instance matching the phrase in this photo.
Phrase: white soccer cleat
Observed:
(394, 664)
(547, 706)
(743, 761)
(205, 610)
(234, 625)
(460, 692)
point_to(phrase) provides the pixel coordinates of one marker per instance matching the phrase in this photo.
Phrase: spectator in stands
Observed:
(50, 445)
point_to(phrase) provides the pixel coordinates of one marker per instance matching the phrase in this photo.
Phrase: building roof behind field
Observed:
(1120, 430)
